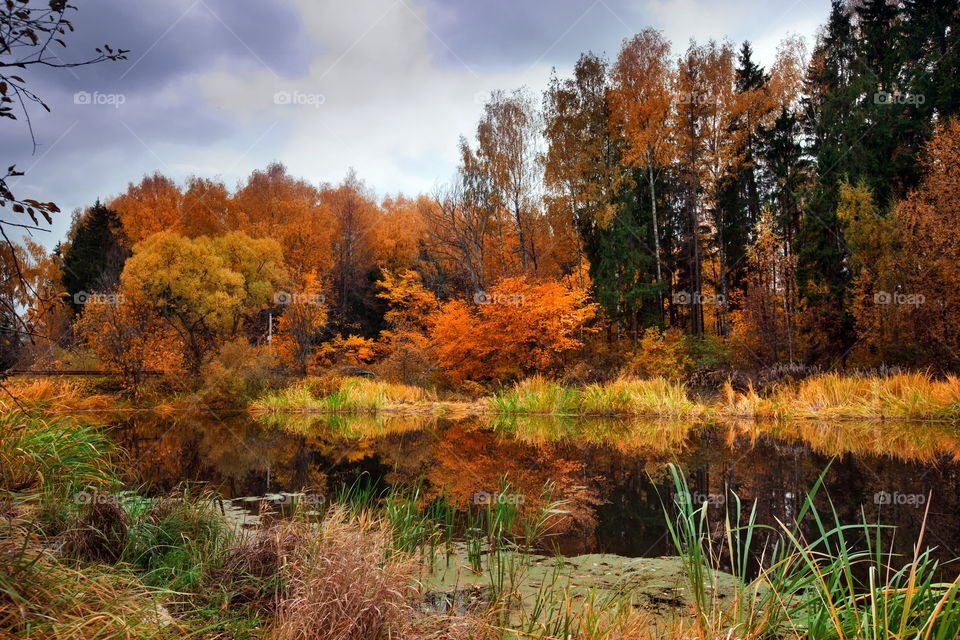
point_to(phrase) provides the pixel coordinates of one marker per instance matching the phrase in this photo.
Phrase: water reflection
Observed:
(612, 473)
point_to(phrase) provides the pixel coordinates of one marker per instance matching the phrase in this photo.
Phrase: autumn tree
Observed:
(642, 101)
(406, 341)
(581, 170)
(354, 216)
(764, 322)
(203, 288)
(128, 337)
(274, 204)
(151, 206)
(520, 326)
(460, 219)
(508, 147)
(299, 328)
(931, 251)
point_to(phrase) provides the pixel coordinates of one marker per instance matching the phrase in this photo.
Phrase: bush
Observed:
(239, 371)
(666, 354)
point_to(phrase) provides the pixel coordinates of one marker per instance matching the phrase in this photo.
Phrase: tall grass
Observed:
(902, 396)
(820, 578)
(350, 394)
(655, 396)
(50, 455)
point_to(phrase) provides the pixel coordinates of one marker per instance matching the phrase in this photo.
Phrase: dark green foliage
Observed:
(97, 250)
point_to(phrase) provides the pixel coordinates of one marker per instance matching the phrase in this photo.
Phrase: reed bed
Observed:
(346, 395)
(899, 396)
(624, 396)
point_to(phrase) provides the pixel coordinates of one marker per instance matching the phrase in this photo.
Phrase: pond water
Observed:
(612, 474)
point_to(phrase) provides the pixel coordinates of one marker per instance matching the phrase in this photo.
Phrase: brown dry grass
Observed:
(55, 395)
(345, 583)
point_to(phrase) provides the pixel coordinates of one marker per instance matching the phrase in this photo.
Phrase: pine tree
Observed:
(95, 255)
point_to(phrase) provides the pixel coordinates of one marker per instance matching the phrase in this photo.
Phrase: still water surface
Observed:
(612, 473)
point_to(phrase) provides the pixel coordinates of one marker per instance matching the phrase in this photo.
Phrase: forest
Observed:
(651, 212)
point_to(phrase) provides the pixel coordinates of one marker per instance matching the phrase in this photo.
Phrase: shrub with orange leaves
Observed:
(127, 336)
(519, 327)
(352, 350)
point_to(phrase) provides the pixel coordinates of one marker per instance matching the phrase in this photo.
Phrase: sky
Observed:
(218, 88)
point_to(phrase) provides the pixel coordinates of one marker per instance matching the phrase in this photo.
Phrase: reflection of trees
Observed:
(469, 460)
(612, 473)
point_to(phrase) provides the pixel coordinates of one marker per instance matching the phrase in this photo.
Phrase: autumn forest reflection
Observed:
(610, 473)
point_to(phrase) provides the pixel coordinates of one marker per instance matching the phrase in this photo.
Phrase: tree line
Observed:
(650, 203)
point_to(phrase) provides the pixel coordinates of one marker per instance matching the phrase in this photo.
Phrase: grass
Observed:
(820, 578)
(900, 396)
(130, 566)
(624, 396)
(346, 395)
(51, 395)
(52, 455)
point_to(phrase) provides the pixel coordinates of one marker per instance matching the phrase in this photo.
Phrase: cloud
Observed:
(377, 97)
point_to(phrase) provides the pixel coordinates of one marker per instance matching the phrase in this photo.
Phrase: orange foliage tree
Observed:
(304, 317)
(931, 251)
(520, 326)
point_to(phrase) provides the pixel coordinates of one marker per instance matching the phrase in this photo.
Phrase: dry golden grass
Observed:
(349, 394)
(56, 395)
(902, 396)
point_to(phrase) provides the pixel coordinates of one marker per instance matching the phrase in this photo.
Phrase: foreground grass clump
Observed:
(654, 396)
(56, 455)
(348, 394)
(819, 578)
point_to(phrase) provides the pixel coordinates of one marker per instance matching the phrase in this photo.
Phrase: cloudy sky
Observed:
(220, 87)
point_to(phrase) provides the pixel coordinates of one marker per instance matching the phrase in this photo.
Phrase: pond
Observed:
(611, 474)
